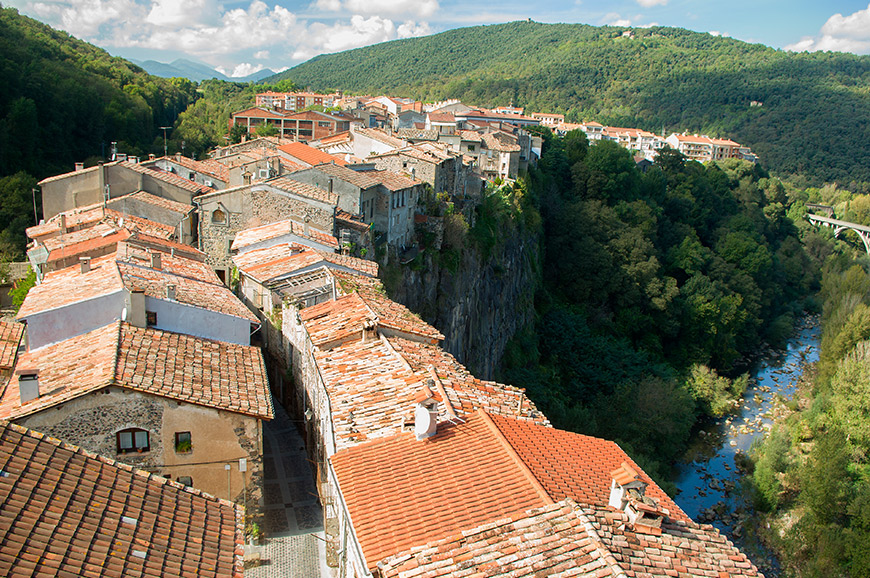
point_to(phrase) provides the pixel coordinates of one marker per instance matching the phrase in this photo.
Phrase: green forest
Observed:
(657, 285)
(813, 119)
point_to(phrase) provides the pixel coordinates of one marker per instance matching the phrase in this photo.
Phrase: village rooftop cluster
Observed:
(179, 300)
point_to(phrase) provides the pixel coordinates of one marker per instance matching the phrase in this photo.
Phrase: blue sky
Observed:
(242, 36)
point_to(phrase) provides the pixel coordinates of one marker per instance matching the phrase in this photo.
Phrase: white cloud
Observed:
(840, 34)
(261, 55)
(614, 19)
(85, 18)
(651, 3)
(360, 31)
(172, 13)
(382, 8)
(243, 69)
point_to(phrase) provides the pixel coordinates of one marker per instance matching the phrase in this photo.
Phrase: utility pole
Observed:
(164, 128)
(35, 218)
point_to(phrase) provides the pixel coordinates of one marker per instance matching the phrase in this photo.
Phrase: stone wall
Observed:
(251, 207)
(480, 304)
(217, 438)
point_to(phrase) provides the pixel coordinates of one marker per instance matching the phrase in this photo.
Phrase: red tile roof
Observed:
(80, 219)
(567, 539)
(270, 263)
(173, 365)
(168, 204)
(403, 492)
(277, 229)
(302, 189)
(555, 540)
(10, 337)
(363, 180)
(69, 512)
(308, 154)
(333, 321)
(571, 465)
(208, 167)
(168, 178)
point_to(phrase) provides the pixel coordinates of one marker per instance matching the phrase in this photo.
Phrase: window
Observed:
(185, 480)
(182, 442)
(219, 217)
(132, 440)
(151, 318)
(471, 148)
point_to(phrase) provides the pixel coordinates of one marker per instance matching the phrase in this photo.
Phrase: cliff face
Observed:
(478, 305)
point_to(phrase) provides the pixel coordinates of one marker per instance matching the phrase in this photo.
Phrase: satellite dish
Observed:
(425, 424)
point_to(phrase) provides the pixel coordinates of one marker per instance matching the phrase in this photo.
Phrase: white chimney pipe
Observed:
(28, 384)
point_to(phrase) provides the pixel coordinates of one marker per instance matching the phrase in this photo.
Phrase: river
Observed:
(707, 476)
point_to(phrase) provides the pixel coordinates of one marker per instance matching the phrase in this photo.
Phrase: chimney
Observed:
(627, 493)
(62, 223)
(85, 262)
(329, 185)
(156, 262)
(136, 311)
(80, 167)
(28, 383)
(152, 156)
(170, 292)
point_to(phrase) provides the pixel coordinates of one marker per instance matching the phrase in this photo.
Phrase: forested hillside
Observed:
(64, 101)
(657, 285)
(814, 118)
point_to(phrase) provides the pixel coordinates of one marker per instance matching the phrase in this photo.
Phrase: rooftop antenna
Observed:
(164, 129)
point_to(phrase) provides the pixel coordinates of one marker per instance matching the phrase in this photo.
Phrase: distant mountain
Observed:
(196, 71)
(802, 113)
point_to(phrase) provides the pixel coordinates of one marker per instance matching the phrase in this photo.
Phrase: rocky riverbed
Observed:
(708, 477)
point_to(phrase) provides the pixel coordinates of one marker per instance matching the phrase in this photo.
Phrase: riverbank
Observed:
(708, 478)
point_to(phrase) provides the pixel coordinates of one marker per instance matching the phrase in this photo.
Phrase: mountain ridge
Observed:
(642, 77)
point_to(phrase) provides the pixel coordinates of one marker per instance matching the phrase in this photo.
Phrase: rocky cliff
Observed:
(478, 303)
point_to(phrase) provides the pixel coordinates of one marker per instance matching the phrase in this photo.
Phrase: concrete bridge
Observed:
(840, 226)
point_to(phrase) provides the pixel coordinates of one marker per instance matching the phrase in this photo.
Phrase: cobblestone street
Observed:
(293, 523)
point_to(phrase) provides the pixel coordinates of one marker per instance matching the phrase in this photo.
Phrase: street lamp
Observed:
(164, 128)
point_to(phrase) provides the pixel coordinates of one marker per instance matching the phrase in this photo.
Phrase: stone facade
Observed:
(217, 438)
(247, 207)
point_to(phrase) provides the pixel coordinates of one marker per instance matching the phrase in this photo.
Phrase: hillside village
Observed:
(181, 303)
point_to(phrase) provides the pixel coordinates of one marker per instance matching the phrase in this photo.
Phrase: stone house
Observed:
(69, 512)
(95, 185)
(166, 287)
(382, 199)
(209, 172)
(431, 163)
(172, 404)
(223, 214)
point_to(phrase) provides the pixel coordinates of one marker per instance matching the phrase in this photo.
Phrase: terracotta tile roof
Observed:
(146, 197)
(208, 167)
(169, 178)
(269, 263)
(371, 392)
(66, 286)
(85, 217)
(350, 220)
(277, 229)
(442, 117)
(258, 112)
(69, 512)
(418, 133)
(286, 183)
(395, 182)
(173, 365)
(566, 539)
(195, 285)
(466, 393)
(389, 313)
(402, 492)
(682, 549)
(501, 142)
(83, 242)
(555, 540)
(333, 321)
(363, 180)
(10, 337)
(335, 138)
(575, 466)
(470, 135)
(381, 136)
(130, 267)
(308, 154)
